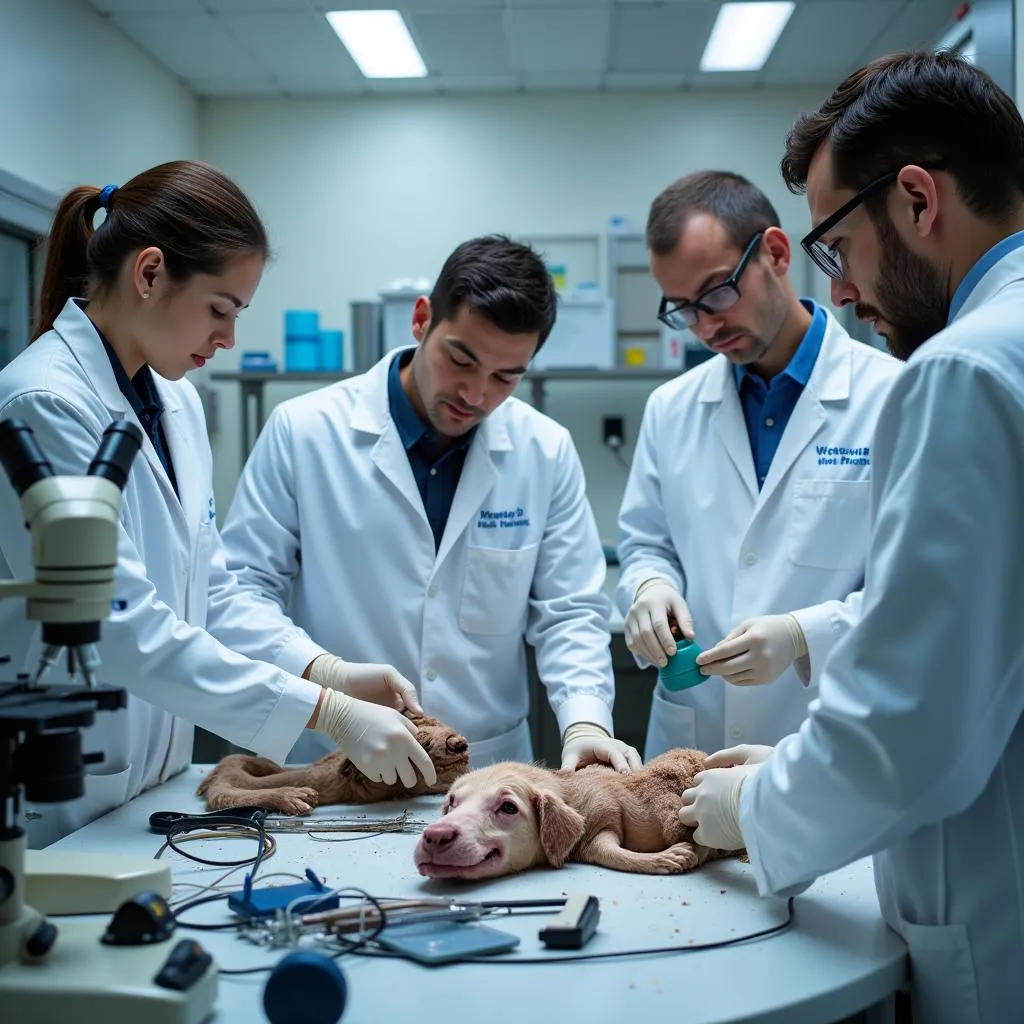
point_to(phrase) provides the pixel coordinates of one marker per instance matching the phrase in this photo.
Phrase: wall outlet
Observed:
(613, 431)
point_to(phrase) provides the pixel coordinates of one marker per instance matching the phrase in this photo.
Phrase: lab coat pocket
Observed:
(830, 523)
(495, 589)
(671, 725)
(943, 986)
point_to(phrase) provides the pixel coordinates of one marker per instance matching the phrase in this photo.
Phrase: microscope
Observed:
(74, 971)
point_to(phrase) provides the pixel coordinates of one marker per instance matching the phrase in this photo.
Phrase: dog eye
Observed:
(508, 808)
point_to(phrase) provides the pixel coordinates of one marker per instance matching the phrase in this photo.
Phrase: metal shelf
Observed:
(253, 384)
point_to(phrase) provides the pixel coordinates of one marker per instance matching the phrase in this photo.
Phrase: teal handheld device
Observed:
(682, 670)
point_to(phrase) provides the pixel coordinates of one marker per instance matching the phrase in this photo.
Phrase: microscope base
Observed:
(90, 883)
(84, 980)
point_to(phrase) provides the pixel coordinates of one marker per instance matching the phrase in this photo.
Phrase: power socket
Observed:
(613, 432)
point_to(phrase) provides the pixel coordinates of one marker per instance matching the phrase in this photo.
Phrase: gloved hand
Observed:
(745, 753)
(379, 684)
(712, 806)
(586, 743)
(377, 740)
(756, 651)
(647, 629)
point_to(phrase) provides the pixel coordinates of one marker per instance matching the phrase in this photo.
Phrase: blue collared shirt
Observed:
(437, 471)
(141, 393)
(980, 269)
(767, 406)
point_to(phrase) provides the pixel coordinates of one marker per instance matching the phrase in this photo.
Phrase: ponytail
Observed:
(67, 264)
(198, 218)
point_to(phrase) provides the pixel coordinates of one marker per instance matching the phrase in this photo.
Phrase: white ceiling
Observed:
(286, 47)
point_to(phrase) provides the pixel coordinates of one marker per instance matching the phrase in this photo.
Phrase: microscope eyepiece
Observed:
(121, 443)
(21, 455)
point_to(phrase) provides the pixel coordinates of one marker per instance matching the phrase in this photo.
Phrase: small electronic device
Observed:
(441, 942)
(302, 897)
(574, 925)
(682, 670)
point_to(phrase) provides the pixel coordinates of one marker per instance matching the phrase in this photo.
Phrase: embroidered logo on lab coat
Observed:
(504, 519)
(211, 509)
(842, 456)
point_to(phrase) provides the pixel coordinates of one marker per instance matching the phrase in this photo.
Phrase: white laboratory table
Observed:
(838, 958)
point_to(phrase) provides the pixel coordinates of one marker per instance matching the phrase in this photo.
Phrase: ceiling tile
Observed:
(468, 43)
(643, 80)
(559, 40)
(660, 38)
(147, 6)
(919, 23)
(232, 88)
(850, 26)
(480, 83)
(544, 81)
(252, 6)
(299, 43)
(190, 45)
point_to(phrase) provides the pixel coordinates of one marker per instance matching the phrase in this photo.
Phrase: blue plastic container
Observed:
(682, 670)
(301, 340)
(302, 354)
(304, 323)
(332, 349)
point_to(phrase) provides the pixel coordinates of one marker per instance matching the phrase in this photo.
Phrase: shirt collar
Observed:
(980, 269)
(411, 429)
(140, 390)
(802, 363)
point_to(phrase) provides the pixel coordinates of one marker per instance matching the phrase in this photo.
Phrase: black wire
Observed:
(577, 957)
(198, 902)
(193, 826)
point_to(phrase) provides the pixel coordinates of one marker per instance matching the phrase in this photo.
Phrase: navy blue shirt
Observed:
(141, 393)
(767, 406)
(437, 471)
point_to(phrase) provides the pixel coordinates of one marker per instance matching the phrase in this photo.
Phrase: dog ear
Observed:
(560, 827)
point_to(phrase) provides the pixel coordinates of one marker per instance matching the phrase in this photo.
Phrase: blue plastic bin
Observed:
(332, 347)
(301, 340)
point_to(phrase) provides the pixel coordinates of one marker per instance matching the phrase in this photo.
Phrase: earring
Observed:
(145, 295)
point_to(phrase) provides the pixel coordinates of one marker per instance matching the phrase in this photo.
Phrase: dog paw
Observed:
(676, 860)
(296, 799)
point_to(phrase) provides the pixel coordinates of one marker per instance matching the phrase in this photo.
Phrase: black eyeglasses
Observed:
(825, 256)
(715, 300)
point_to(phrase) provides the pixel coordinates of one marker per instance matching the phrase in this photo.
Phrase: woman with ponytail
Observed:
(127, 308)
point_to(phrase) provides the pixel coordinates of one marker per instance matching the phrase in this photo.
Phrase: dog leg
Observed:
(605, 849)
(286, 799)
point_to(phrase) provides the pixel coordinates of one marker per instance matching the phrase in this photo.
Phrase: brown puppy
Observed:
(509, 817)
(241, 780)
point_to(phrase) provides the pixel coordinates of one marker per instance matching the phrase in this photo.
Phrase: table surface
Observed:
(837, 958)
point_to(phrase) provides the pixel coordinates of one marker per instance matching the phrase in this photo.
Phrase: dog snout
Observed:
(439, 835)
(456, 745)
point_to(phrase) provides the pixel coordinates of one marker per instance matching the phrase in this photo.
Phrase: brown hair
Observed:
(741, 207)
(912, 107)
(195, 215)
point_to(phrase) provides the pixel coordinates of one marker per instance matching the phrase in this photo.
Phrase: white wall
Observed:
(82, 104)
(358, 192)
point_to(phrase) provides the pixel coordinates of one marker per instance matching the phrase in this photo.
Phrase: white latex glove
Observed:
(745, 753)
(586, 743)
(712, 806)
(647, 629)
(757, 651)
(379, 684)
(377, 740)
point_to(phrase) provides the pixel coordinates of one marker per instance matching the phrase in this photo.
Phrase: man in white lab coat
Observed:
(421, 514)
(745, 518)
(914, 751)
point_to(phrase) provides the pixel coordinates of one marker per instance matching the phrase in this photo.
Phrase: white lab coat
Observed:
(914, 750)
(692, 512)
(170, 577)
(328, 523)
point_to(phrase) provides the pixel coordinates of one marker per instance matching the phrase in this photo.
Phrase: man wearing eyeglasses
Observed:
(745, 518)
(915, 751)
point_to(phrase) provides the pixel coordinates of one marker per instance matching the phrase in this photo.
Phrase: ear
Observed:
(560, 827)
(775, 244)
(917, 199)
(149, 265)
(421, 318)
